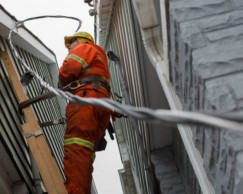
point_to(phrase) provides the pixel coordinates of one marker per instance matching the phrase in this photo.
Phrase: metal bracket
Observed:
(28, 102)
(54, 122)
(33, 133)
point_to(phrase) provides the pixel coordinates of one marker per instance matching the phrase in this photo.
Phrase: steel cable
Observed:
(160, 115)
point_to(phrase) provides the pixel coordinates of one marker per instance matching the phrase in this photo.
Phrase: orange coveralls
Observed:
(85, 124)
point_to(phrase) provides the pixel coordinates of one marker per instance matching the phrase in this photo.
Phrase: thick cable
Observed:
(169, 116)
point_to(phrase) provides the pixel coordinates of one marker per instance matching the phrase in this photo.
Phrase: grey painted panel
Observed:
(10, 130)
(42, 109)
(143, 85)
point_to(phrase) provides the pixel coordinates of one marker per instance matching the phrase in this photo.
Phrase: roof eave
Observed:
(24, 38)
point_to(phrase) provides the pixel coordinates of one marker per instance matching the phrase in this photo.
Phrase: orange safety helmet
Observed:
(85, 35)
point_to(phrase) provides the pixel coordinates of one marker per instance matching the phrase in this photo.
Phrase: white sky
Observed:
(51, 32)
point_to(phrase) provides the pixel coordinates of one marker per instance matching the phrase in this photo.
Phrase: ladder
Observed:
(50, 174)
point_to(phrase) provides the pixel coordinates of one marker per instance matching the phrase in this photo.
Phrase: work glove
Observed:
(102, 145)
(115, 115)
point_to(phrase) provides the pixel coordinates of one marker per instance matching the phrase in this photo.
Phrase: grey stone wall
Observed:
(206, 65)
(167, 172)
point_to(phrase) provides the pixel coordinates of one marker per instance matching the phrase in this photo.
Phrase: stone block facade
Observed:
(206, 69)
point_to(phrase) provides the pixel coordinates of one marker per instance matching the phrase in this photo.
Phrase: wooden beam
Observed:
(45, 162)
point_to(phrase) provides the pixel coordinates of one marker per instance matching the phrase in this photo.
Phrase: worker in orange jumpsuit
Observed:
(84, 73)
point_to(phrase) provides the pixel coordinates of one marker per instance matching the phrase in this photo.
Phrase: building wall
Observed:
(206, 68)
(122, 41)
(136, 138)
(12, 138)
(205, 65)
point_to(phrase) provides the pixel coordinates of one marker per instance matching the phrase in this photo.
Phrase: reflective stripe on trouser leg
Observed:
(85, 123)
(93, 157)
(79, 141)
(78, 169)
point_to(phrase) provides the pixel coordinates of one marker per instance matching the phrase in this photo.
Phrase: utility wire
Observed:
(20, 23)
(159, 116)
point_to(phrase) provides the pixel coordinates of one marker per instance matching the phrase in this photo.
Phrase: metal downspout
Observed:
(125, 93)
(36, 175)
(150, 31)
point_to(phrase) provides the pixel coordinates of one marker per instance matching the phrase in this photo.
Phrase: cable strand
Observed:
(170, 116)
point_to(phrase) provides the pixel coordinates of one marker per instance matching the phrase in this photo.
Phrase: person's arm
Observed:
(77, 61)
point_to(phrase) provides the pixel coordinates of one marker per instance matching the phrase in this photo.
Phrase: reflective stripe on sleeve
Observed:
(79, 141)
(79, 59)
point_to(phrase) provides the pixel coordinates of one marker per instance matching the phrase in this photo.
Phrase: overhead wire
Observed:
(20, 23)
(143, 113)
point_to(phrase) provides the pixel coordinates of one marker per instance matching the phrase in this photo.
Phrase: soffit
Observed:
(104, 10)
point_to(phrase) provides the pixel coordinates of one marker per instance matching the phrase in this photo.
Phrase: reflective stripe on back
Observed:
(79, 59)
(79, 141)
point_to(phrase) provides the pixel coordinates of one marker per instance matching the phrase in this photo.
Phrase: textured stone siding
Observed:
(206, 66)
(167, 172)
